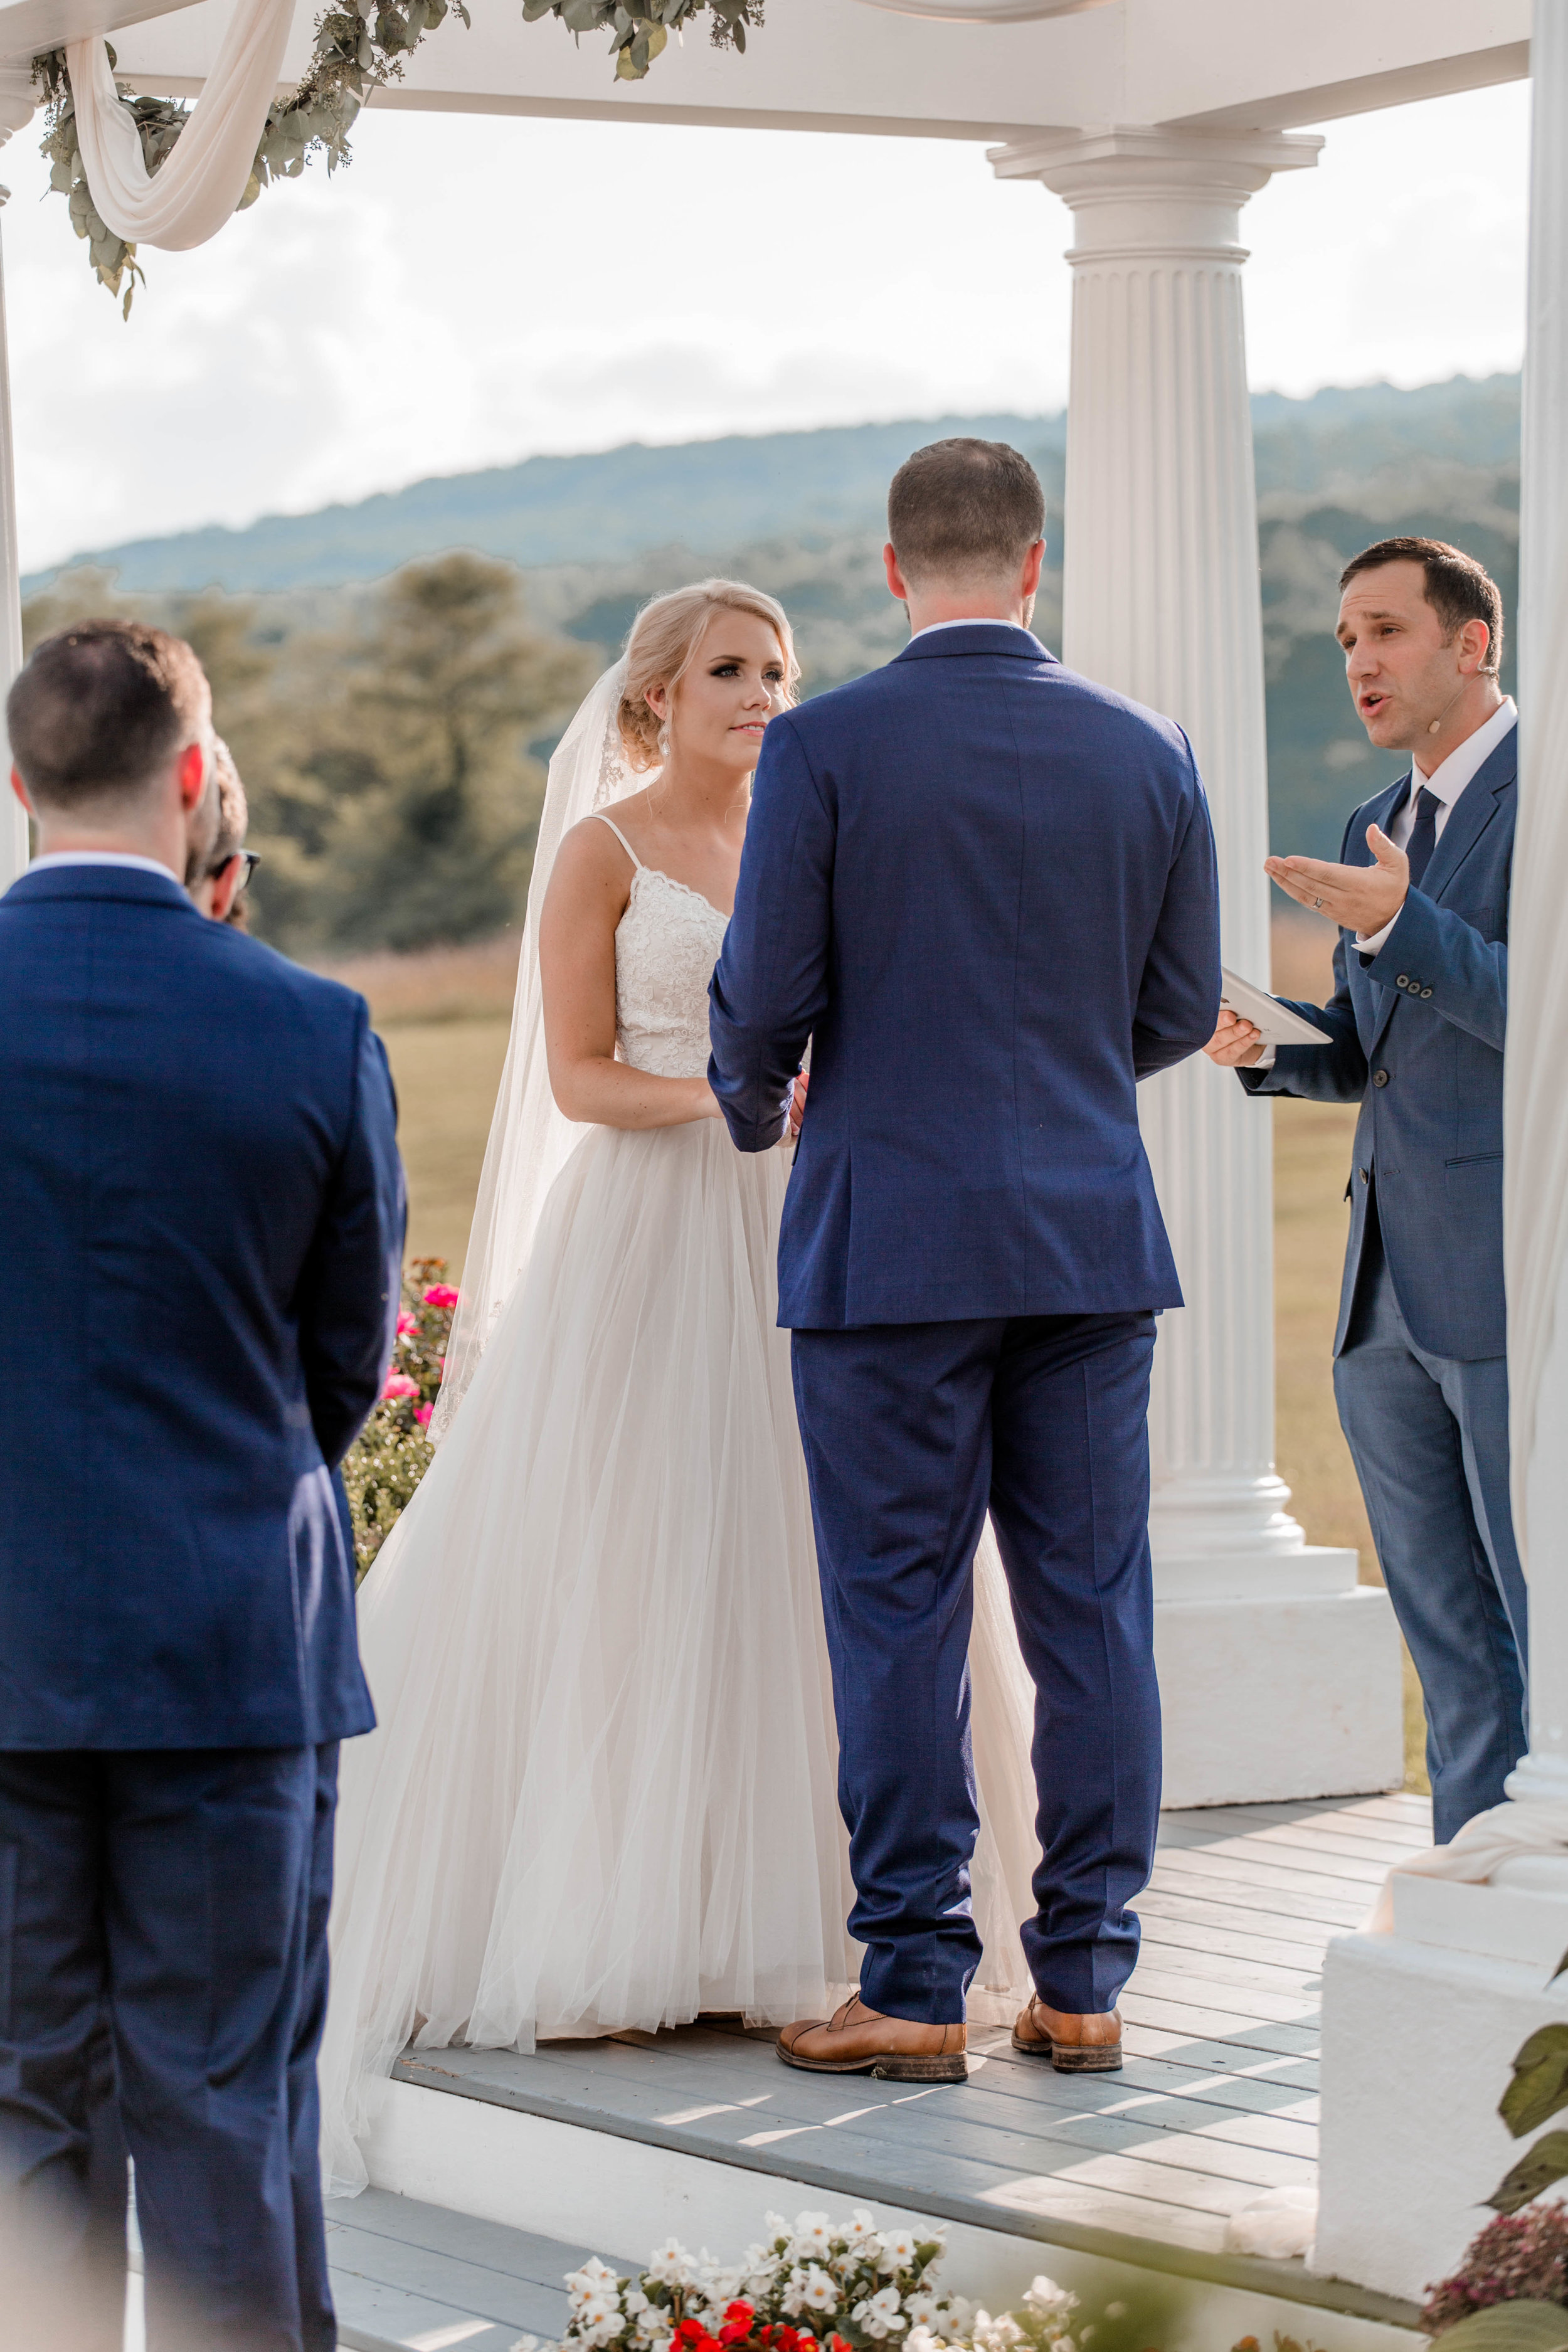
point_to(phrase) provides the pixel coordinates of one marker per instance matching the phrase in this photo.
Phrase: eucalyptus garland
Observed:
(356, 52)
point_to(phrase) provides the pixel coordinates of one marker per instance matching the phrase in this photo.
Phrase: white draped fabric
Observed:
(1526, 1825)
(198, 186)
(1535, 1115)
(1535, 1131)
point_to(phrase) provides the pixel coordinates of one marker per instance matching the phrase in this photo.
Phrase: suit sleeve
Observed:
(1178, 997)
(770, 986)
(1334, 1073)
(354, 1284)
(1430, 947)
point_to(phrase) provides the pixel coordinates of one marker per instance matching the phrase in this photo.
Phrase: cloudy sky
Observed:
(472, 291)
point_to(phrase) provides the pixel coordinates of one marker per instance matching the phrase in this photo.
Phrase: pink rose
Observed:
(398, 1384)
(406, 1323)
(422, 1413)
(440, 1293)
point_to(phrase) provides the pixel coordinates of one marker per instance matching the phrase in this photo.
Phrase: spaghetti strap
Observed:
(620, 836)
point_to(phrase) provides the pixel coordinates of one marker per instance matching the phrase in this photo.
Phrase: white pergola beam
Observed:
(834, 64)
(28, 26)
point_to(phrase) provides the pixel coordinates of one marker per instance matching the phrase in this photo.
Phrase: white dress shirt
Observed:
(1445, 783)
(978, 621)
(102, 857)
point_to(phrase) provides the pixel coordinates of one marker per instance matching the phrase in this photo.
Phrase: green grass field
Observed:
(445, 1019)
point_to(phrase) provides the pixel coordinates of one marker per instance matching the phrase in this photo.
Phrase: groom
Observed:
(985, 889)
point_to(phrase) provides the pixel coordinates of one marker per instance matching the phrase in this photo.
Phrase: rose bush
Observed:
(392, 1451)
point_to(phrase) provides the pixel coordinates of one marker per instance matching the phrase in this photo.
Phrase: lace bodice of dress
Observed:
(667, 945)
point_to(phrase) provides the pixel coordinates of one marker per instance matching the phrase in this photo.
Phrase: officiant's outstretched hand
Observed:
(199, 1175)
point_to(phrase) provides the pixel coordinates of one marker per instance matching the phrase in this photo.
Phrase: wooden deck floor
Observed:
(1217, 2100)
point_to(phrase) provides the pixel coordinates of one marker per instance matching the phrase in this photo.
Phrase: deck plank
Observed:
(1216, 2101)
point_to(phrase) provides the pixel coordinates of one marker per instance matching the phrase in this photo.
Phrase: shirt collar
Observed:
(102, 858)
(978, 621)
(1449, 777)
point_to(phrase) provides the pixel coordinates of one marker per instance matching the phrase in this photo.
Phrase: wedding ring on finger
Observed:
(1317, 906)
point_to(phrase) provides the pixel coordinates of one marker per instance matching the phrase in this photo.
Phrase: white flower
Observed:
(923, 2309)
(1115, 2311)
(859, 2230)
(1047, 2300)
(922, 2339)
(818, 2292)
(670, 2264)
(897, 2250)
(813, 2233)
(879, 2314)
(996, 2334)
(958, 2316)
(593, 2276)
(634, 2301)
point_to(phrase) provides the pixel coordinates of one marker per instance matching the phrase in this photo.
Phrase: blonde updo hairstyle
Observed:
(663, 643)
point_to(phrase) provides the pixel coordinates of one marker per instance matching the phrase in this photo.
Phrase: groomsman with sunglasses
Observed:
(1416, 1024)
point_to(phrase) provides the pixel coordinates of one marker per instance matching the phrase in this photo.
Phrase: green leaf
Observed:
(1511, 2327)
(1537, 2169)
(1539, 2084)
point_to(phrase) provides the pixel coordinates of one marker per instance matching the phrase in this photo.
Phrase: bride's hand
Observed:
(797, 1102)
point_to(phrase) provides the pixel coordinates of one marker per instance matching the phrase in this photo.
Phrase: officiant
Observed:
(1414, 1033)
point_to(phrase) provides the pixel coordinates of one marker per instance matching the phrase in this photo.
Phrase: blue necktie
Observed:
(1423, 838)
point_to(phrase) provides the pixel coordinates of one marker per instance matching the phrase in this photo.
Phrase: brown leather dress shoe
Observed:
(858, 2041)
(1074, 2045)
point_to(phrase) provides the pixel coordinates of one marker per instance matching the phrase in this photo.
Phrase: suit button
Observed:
(1403, 980)
(1363, 1176)
(1424, 995)
(1379, 1077)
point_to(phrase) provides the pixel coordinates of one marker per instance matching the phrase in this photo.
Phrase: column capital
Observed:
(1079, 165)
(1141, 192)
(18, 98)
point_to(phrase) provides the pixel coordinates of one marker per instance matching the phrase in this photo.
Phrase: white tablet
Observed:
(1276, 1022)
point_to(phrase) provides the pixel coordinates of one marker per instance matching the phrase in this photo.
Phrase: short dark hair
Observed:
(1459, 588)
(961, 507)
(100, 708)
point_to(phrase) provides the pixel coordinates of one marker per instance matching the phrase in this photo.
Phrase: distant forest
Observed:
(392, 676)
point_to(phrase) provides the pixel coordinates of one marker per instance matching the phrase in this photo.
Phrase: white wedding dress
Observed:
(602, 1793)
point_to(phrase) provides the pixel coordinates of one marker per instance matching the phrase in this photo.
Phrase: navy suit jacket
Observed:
(200, 1187)
(1418, 1042)
(985, 888)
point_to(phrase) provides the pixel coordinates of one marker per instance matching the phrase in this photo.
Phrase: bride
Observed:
(602, 1791)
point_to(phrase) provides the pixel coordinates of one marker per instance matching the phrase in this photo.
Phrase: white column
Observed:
(17, 99)
(1162, 601)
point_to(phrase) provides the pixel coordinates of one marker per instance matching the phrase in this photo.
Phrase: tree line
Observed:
(394, 794)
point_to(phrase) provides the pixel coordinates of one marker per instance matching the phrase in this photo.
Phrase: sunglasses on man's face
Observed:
(252, 860)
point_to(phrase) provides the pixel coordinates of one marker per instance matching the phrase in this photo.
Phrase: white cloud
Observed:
(473, 291)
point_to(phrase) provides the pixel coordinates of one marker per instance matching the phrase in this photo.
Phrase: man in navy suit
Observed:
(1416, 1021)
(985, 889)
(199, 1176)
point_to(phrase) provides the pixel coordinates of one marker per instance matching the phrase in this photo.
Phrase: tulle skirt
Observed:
(602, 1791)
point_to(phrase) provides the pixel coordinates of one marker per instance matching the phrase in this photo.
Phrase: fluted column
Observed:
(17, 99)
(1161, 600)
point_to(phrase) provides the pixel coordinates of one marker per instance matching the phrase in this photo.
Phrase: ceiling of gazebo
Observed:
(839, 64)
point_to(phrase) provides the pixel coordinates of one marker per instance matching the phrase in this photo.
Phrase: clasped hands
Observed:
(1360, 899)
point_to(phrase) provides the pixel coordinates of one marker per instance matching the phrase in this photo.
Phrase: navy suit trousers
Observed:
(164, 1930)
(911, 1431)
(1429, 1438)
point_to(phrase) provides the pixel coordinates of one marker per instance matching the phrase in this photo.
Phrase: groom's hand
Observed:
(1236, 1044)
